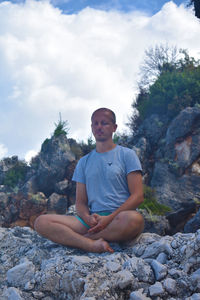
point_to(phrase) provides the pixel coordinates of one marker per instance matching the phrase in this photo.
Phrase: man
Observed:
(108, 191)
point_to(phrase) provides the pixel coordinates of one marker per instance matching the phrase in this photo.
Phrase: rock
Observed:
(35, 268)
(162, 258)
(170, 286)
(156, 289)
(186, 122)
(154, 223)
(195, 296)
(159, 269)
(138, 295)
(172, 191)
(22, 209)
(57, 203)
(62, 187)
(140, 269)
(52, 165)
(193, 224)
(11, 293)
(21, 274)
(124, 278)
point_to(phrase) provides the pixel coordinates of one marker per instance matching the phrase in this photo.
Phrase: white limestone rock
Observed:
(156, 289)
(160, 270)
(170, 286)
(140, 269)
(11, 293)
(21, 274)
(138, 295)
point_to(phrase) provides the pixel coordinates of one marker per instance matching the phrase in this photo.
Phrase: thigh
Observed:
(70, 221)
(125, 226)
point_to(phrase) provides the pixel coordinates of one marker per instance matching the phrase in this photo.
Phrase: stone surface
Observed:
(32, 267)
(193, 224)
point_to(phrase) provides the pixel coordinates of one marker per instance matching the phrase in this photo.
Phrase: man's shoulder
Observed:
(125, 149)
(86, 156)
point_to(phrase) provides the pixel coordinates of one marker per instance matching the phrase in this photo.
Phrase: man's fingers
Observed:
(95, 229)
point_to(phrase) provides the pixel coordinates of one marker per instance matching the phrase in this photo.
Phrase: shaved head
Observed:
(103, 109)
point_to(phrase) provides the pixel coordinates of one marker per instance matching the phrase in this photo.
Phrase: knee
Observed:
(133, 219)
(40, 222)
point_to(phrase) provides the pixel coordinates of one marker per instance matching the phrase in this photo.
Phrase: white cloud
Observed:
(29, 155)
(3, 151)
(73, 64)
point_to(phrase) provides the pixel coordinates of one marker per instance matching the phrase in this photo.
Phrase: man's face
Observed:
(102, 126)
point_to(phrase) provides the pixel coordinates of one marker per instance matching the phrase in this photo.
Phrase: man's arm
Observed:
(135, 186)
(82, 205)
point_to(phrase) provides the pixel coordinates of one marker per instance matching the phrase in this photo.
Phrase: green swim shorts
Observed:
(103, 213)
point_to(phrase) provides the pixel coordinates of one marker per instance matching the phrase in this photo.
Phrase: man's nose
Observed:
(99, 125)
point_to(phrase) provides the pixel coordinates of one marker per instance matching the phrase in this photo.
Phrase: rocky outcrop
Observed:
(153, 267)
(52, 165)
(46, 185)
(170, 155)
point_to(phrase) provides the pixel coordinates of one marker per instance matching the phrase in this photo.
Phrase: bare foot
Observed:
(100, 246)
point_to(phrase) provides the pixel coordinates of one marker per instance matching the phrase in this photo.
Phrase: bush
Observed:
(16, 174)
(174, 89)
(62, 127)
(151, 204)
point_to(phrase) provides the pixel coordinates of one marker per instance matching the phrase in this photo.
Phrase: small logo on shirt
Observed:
(109, 163)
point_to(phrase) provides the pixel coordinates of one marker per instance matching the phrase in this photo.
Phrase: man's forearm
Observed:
(130, 204)
(82, 210)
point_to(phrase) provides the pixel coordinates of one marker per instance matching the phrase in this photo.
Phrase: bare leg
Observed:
(126, 226)
(68, 231)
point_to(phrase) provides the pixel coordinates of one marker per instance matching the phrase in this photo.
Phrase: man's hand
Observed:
(101, 223)
(91, 220)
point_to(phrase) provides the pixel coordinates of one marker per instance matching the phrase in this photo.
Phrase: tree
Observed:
(159, 59)
(196, 4)
(175, 88)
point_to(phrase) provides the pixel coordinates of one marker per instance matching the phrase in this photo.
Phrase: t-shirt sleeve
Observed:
(79, 174)
(132, 162)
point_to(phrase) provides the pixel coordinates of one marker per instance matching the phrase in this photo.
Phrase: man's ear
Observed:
(115, 127)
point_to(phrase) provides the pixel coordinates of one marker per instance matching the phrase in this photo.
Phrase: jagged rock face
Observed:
(153, 267)
(171, 159)
(52, 165)
(20, 209)
(169, 153)
(193, 224)
(5, 165)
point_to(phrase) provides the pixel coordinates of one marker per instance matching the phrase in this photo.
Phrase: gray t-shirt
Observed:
(105, 177)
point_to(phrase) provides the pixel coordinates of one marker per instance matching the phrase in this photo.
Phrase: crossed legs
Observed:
(69, 231)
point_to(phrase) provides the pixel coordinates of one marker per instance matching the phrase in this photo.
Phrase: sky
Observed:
(72, 57)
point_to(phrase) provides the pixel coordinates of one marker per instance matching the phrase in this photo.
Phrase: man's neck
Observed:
(105, 146)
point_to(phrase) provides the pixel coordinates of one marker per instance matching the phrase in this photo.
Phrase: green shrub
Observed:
(87, 147)
(16, 174)
(62, 127)
(151, 204)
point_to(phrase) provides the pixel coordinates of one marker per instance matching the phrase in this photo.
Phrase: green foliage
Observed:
(87, 147)
(173, 90)
(44, 144)
(116, 138)
(75, 148)
(16, 174)
(62, 127)
(151, 204)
